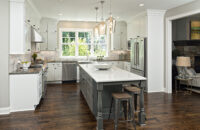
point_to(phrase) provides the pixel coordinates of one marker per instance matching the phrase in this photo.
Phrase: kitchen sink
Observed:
(36, 66)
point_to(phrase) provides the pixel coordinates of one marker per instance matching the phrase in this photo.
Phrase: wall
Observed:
(155, 50)
(137, 26)
(184, 9)
(4, 57)
(181, 28)
(72, 24)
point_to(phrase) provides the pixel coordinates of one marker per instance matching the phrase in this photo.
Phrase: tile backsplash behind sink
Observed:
(16, 57)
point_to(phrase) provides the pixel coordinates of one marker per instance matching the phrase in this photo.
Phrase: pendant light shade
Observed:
(111, 21)
(96, 31)
(111, 24)
(102, 25)
(102, 28)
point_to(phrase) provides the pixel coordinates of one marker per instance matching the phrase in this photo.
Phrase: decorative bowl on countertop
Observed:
(102, 66)
(26, 65)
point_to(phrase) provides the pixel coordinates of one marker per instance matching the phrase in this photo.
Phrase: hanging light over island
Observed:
(102, 25)
(111, 21)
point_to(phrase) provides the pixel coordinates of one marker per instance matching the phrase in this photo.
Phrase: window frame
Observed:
(77, 30)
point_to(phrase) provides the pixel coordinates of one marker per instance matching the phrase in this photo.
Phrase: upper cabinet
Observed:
(17, 28)
(49, 34)
(137, 26)
(119, 37)
(22, 18)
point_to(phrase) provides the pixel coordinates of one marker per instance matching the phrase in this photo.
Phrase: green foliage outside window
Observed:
(84, 50)
(68, 50)
(83, 44)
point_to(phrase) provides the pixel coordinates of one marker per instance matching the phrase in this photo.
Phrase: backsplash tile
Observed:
(17, 57)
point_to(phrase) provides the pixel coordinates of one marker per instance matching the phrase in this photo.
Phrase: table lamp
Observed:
(182, 63)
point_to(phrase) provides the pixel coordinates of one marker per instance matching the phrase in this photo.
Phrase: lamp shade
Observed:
(183, 61)
(102, 28)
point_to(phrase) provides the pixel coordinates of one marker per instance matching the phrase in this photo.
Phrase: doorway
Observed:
(169, 48)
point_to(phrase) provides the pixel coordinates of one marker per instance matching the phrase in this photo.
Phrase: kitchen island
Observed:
(97, 87)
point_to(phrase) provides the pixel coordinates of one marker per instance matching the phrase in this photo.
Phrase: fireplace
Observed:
(197, 64)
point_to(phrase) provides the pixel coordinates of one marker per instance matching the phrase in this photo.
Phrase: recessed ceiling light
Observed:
(60, 14)
(141, 5)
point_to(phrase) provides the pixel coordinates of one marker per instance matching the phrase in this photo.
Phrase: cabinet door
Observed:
(43, 29)
(119, 40)
(27, 32)
(58, 72)
(51, 71)
(52, 36)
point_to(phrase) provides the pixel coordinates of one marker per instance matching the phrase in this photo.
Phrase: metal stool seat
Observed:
(119, 98)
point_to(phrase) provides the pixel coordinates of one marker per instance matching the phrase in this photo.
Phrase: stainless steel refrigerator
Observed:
(138, 56)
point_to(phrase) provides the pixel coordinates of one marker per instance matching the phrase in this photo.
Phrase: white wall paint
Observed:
(155, 50)
(4, 36)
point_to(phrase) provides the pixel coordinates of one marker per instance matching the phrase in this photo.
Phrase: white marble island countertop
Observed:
(113, 74)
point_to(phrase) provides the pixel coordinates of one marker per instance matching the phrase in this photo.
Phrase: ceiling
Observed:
(83, 10)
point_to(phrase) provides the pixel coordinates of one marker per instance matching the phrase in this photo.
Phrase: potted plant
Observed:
(34, 56)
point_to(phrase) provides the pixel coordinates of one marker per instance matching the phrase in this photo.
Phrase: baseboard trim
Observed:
(4, 110)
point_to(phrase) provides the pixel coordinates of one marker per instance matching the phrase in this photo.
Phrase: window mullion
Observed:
(76, 42)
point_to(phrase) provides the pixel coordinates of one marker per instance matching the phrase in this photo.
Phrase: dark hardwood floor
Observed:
(64, 108)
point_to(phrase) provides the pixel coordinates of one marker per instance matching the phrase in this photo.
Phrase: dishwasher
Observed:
(69, 72)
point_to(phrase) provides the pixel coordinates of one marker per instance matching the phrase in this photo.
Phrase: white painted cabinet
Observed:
(25, 91)
(17, 28)
(52, 35)
(54, 72)
(49, 33)
(127, 66)
(22, 17)
(44, 33)
(119, 37)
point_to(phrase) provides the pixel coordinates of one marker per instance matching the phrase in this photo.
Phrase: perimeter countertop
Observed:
(29, 71)
(113, 74)
(83, 61)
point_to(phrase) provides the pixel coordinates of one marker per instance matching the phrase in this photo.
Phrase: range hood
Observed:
(35, 36)
(187, 43)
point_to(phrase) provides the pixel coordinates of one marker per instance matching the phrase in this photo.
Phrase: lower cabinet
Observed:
(127, 66)
(54, 72)
(25, 91)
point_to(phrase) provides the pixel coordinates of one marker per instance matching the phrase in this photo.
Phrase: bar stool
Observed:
(119, 98)
(135, 92)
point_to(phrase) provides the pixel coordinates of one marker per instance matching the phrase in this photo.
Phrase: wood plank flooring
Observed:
(64, 108)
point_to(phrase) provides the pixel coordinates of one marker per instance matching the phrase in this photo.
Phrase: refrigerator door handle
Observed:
(138, 53)
(135, 54)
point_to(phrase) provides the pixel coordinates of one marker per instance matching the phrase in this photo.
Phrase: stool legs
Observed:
(132, 113)
(135, 102)
(125, 109)
(110, 108)
(117, 107)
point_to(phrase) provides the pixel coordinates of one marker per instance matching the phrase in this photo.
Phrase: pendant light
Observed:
(96, 28)
(111, 21)
(102, 25)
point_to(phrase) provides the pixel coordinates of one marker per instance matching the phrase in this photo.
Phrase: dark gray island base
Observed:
(98, 94)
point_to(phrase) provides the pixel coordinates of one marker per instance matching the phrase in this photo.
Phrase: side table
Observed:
(187, 80)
